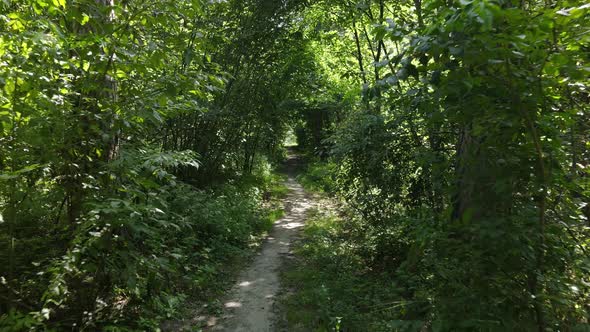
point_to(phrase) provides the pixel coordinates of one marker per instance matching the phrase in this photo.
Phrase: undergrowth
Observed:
(361, 267)
(144, 255)
(332, 288)
(318, 177)
(333, 284)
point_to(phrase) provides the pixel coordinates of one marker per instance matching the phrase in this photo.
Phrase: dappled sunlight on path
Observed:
(249, 305)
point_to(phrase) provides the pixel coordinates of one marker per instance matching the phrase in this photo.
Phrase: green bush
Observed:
(140, 253)
(318, 177)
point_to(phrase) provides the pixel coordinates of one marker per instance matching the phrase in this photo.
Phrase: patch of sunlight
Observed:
(233, 304)
(290, 139)
(245, 283)
(293, 225)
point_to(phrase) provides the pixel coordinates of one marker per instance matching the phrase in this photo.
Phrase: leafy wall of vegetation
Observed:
(463, 161)
(135, 139)
(133, 136)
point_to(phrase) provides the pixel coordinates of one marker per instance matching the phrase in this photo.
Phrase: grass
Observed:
(277, 188)
(318, 177)
(334, 283)
(331, 287)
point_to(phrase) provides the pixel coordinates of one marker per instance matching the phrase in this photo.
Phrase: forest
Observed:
(143, 144)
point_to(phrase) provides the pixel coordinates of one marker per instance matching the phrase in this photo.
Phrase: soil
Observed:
(249, 306)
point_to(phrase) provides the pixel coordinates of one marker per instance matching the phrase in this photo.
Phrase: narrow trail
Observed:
(249, 304)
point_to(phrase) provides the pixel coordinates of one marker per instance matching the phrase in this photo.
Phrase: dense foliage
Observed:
(463, 161)
(136, 139)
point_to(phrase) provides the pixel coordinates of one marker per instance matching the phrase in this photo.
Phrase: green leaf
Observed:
(85, 19)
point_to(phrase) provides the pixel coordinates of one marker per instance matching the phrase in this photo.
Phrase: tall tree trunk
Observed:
(359, 54)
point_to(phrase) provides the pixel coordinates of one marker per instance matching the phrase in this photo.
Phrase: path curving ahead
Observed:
(249, 305)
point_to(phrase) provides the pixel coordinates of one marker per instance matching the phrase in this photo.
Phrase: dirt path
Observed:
(249, 304)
